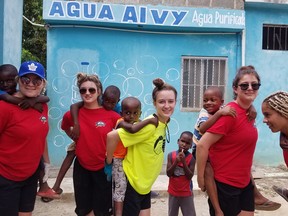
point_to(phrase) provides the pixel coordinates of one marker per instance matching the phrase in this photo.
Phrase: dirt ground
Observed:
(265, 178)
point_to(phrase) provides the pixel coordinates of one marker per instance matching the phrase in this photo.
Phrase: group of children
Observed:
(180, 163)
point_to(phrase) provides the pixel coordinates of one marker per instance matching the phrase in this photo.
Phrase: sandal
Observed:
(46, 200)
(50, 193)
(268, 206)
(281, 191)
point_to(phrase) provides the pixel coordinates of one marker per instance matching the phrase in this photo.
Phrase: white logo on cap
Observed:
(32, 67)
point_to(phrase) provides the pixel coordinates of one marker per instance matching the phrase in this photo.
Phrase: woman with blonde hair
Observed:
(93, 193)
(22, 144)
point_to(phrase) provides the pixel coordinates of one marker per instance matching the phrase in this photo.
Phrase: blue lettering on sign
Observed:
(56, 9)
(143, 14)
(178, 16)
(159, 19)
(89, 10)
(130, 14)
(73, 9)
(106, 13)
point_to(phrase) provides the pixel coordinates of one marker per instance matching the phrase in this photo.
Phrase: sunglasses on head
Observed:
(84, 90)
(26, 80)
(245, 86)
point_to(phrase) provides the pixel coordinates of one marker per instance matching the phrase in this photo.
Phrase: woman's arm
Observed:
(202, 151)
(46, 161)
(112, 141)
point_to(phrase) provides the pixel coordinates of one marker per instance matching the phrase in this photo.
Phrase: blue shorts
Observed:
(233, 200)
(135, 202)
(18, 196)
(92, 191)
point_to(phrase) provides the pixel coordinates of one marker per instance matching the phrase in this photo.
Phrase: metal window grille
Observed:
(198, 73)
(275, 37)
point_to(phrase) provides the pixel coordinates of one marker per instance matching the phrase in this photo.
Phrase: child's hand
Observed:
(38, 107)
(181, 157)
(251, 113)
(75, 132)
(25, 104)
(228, 110)
(154, 120)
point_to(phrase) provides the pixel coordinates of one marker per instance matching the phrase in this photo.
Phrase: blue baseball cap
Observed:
(32, 67)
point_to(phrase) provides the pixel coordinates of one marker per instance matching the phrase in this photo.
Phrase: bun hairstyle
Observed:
(241, 72)
(161, 85)
(278, 101)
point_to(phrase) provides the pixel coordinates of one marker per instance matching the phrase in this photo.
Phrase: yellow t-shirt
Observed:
(144, 159)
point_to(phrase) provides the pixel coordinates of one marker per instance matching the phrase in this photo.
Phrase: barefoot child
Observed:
(180, 170)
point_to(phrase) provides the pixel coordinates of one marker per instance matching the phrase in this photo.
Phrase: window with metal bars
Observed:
(198, 73)
(275, 37)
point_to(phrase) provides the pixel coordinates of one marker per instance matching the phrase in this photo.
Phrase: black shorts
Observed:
(92, 191)
(18, 196)
(135, 202)
(233, 200)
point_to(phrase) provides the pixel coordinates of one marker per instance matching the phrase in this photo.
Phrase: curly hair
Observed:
(278, 101)
(83, 77)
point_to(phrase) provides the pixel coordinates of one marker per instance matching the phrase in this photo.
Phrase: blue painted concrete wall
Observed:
(11, 32)
(272, 67)
(129, 60)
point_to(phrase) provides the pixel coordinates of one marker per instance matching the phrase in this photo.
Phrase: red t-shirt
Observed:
(22, 140)
(231, 157)
(94, 126)
(179, 185)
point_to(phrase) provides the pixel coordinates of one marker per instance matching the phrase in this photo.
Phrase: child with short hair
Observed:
(180, 170)
(209, 114)
(8, 85)
(131, 112)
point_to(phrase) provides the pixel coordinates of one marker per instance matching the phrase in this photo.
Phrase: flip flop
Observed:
(50, 193)
(58, 191)
(281, 191)
(268, 206)
(46, 200)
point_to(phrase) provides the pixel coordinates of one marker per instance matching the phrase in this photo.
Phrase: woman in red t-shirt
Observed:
(93, 193)
(22, 143)
(230, 144)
